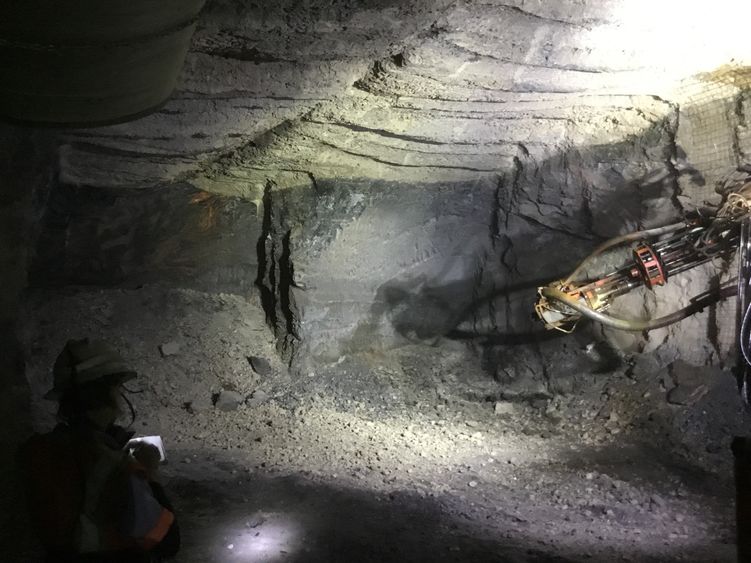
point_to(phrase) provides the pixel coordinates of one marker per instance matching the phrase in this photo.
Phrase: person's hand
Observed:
(147, 455)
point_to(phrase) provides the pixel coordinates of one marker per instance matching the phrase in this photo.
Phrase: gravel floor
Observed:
(406, 455)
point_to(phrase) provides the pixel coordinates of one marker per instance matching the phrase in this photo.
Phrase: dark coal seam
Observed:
(437, 143)
(366, 85)
(449, 153)
(381, 161)
(252, 108)
(543, 18)
(489, 116)
(250, 55)
(272, 169)
(111, 151)
(119, 137)
(262, 57)
(567, 68)
(238, 94)
(380, 132)
(567, 94)
(474, 86)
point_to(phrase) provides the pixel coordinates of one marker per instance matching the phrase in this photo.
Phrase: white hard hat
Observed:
(87, 361)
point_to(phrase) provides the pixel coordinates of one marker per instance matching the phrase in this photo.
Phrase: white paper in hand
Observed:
(155, 441)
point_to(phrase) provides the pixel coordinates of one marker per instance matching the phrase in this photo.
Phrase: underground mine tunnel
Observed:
(312, 235)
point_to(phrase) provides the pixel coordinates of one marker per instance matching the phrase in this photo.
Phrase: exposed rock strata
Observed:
(392, 180)
(392, 91)
(416, 168)
(176, 235)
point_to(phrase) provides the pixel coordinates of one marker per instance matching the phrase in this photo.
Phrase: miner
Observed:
(90, 497)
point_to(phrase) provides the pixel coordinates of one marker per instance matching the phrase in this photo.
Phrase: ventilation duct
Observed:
(89, 62)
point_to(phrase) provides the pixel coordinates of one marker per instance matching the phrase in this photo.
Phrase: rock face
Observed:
(177, 235)
(385, 184)
(386, 172)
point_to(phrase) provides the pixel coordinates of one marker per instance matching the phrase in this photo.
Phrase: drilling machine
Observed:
(659, 254)
(708, 234)
(704, 235)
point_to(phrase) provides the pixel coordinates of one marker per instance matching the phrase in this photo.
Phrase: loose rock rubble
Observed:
(610, 472)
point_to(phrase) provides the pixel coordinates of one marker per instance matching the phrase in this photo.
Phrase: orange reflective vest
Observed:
(85, 496)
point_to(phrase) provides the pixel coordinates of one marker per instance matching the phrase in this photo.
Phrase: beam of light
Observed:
(671, 39)
(273, 538)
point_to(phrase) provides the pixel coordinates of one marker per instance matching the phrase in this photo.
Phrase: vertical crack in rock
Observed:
(516, 189)
(275, 278)
(509, 262)
(499, 214)
(285, 285)
(477, 292)
(265, 250)
(507, 255)
(501, 242)
(586, 210)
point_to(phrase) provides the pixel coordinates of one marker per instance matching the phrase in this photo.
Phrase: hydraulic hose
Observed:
(637, 325)
(620, 240)
(744, 284)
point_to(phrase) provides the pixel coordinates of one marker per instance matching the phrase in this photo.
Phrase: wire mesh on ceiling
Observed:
(713, 130)
(715, 135)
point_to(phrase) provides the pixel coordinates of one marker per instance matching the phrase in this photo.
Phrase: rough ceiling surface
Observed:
(367, 195)
(404, 91)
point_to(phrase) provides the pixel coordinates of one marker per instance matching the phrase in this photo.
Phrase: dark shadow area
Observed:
(228, 515)
(295, 520)
(492, 306)
(646, 462)
(525, 291)
(126, 238)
